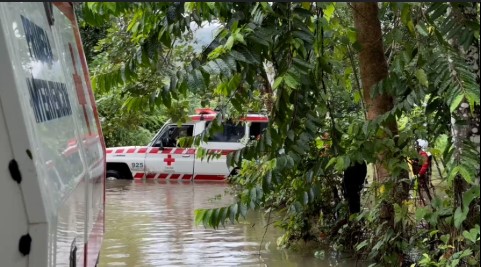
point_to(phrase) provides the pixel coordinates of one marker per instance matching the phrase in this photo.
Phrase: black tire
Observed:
(113, 173)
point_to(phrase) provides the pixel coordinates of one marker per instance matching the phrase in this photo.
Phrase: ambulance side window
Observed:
(230, 133)
(174, 135)
(256, 129)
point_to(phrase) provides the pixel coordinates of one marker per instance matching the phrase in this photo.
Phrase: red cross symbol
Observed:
(169, 160)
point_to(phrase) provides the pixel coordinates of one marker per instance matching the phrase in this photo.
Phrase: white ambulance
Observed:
(167, 158)
(52, 157)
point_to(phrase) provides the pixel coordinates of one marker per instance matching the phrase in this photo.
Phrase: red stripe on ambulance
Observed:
(154, 150)
(167, 150)
(255, 119)
(139, 175)
(180, 151)
(130, 150)
(142, 150)
(209, 177)
(219, 151)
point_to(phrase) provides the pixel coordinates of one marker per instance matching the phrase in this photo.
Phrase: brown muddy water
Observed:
(151, 223)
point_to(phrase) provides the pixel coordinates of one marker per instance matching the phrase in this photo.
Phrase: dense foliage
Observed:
(432, 52)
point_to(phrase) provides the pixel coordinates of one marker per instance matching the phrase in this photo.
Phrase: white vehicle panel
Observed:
(15, 217)
(47, 129)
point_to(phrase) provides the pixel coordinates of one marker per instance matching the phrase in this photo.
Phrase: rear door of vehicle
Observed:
(213, 166)
(171, 155)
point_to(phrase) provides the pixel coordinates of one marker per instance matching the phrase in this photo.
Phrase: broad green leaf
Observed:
(329, 11)
(331, 162)
(421, 28)
(233, 212)
(240, 38)
(230, 42)
(199, 216)
(470, 195)
(361, 245)
(473, 234)
(405, 13)
(306, 5)
(410, 25)
(290, 81)
(422, 77)
(467, 176)
(460, 216)
(455, 103)
(243, 210)
(357, 97)
(277, 82)
(420, 213)
(207, 217)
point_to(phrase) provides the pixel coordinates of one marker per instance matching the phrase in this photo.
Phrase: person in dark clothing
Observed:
(352, 183)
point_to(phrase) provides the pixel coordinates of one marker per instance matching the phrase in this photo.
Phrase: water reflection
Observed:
(151, 223)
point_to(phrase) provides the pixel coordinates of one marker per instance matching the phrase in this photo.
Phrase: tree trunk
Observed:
(465, 124)
(373, 67)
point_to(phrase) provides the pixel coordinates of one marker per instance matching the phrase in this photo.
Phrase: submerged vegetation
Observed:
(374, 76)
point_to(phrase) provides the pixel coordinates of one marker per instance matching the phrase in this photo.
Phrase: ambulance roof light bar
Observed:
(204, 111)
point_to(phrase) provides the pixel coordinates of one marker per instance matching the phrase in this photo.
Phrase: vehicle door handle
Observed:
(185, 156)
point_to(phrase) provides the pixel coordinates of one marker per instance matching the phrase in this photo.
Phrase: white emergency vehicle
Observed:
(166, 158)
(52, 156)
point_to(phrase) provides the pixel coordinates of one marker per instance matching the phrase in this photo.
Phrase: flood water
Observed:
(151, 223)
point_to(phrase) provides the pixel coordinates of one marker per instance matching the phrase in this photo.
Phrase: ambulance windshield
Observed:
(172, 134)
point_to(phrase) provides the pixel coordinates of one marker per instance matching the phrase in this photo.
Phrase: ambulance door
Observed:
(227, 140)
(171, 155)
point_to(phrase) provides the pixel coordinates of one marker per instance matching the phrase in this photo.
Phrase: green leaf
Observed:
(410, 25)
(473, 234)
(243, 210)
(233, 211)
(207, 218)
(421, 28)
(445, 238)
(422, 77)
(290, 81)
(460, 216)
(331, 162)
(240, 38)
(420, 213)
(406, 13)
(470, 195)
(199, 216)
(455, 103)
(230, 42)
(329, 11)
(277, 82)
(357, 97)
(361, 245)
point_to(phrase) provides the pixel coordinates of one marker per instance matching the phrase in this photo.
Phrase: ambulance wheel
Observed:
(113, 174)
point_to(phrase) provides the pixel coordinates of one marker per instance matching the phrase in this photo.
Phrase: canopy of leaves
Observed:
(312, 48)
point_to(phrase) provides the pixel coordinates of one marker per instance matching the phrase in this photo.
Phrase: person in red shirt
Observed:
(421, 169)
